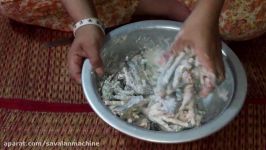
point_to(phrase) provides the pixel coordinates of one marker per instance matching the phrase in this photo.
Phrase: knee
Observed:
(178, 11)
(171, 9)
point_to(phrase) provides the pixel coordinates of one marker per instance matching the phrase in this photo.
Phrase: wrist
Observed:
(88, 22)
(90, 38)
(208, 11)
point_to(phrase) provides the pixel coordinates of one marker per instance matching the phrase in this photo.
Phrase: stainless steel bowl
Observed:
(132, 38)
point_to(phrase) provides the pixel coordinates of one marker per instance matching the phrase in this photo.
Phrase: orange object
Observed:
(52, 14)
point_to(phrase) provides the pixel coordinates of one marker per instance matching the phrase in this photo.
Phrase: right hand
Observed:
(87, 44)
(204, 39)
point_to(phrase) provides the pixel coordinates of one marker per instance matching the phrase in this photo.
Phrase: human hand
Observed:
(204, 39)
(87, 44)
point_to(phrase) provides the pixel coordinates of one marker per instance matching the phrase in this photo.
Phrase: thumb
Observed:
(93, 55)
(176, 45)
(208, 84)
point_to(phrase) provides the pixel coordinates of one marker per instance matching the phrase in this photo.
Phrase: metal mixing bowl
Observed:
(130, 39)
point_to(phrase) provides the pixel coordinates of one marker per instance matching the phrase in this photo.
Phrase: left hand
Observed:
(87, 44)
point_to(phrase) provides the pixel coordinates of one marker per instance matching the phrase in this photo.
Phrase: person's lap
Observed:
(239, 20)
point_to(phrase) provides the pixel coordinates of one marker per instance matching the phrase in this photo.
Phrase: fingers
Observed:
(177, 45)
(220, 70)
(93, 53)
(75, 62)
(211, 72)
(215, 66)
(77, 53)
(165, 57)
(181, 44)
(208, 85)
(175, 48)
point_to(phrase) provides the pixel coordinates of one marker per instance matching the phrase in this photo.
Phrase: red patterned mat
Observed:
(247, 131)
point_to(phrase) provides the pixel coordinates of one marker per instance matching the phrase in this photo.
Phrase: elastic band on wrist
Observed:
(88, 21)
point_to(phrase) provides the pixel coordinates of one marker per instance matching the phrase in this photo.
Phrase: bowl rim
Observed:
(205, 130)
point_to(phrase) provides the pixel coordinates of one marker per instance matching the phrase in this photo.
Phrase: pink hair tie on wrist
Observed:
(88, 21)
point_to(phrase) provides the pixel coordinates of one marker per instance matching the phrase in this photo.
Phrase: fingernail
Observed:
(99, 71)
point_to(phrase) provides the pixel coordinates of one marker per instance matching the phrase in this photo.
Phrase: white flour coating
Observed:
(157, 97)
